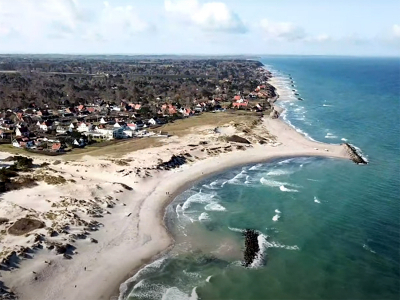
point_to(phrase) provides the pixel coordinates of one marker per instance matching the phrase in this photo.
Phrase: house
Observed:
(119, 124)
(102, 121)
(16, 143)
(239, 105)
(61, 129)
(46, 125)
(152, 122)
(138, 106)
(198, 108)
(56, 147)
(131, 126)
(83, 127)
(237, 97)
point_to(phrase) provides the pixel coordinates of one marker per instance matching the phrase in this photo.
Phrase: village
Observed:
(57, 129)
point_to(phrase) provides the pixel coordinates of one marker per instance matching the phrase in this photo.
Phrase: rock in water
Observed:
(354, 155)
(251, 246)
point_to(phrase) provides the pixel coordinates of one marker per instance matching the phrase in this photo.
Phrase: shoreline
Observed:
(136, 231)
(186, 185)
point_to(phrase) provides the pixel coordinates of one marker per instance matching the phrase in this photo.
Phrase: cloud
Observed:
(283, 31)
(396, 31)
(68, 19)
(209, 17)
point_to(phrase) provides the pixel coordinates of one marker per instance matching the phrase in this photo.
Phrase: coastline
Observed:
(224, 167)
(143, 237)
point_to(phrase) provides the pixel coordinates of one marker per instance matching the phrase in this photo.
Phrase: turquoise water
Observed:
(330, 229)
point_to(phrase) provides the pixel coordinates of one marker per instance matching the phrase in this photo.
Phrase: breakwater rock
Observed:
(355, 154)
(251, 246)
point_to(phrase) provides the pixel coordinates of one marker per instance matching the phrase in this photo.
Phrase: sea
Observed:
(329, 228)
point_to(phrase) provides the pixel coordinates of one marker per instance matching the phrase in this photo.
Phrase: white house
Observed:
(152, 122)
(82, 127)
(43, 126)
(102, 121)
(18, 132)
(61, 129)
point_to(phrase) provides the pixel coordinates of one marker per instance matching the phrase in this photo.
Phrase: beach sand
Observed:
(132, 233)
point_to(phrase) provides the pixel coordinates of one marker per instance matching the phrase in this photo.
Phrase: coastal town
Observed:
(52, 106)
(68, 217)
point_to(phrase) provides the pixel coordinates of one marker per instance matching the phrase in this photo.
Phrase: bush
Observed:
(21, 163)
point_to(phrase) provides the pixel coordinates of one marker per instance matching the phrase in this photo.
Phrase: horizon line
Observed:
(199, 55)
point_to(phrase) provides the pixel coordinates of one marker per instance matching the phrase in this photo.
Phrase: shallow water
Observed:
(329, 228)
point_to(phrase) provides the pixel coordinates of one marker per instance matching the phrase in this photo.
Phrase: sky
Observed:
(255, 27)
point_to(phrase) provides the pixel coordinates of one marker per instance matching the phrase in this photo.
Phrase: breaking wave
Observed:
(279, 172)
(214, 207)
(204, 217)
(284, 189)
(198, 198)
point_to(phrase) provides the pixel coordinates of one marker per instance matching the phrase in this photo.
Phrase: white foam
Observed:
(198, 198)
(204, 217)
(278, 245)
(146, 269)
(277, 211)
(366, 247)
(236, 229)
(212, 186)
(344, 140)
(262, 244)
(284, 189)
(271, 183)
(279, 172)
(208, 278)
(276, 218)
(326, 105)
(316, 200)
(330, 136)
(359, 152)
(174, 293)
(256, 167)
(214, 207)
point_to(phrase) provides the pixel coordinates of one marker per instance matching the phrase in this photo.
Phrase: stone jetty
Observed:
(251, 246)
(354, 154)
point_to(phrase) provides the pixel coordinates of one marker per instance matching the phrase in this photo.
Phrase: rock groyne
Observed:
(251, 246)
(355, 154)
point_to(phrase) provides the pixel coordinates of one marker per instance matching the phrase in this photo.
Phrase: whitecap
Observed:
(204, 217)
(330, 136)
(236, 229)
(276, 218)
(316, 200)
(278, 245)
(277, 211)
(344, 140)
(279, 172)
(198, 198)
(212, 186)
(284, 189)
(271, 183)
(145, 270)
(255, 167)
(366, 247)
(214, 207)
(208, 278)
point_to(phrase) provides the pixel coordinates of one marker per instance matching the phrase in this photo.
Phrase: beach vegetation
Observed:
(25, 225)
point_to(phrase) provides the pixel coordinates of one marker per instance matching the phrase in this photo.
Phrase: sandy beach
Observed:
(132, 195)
